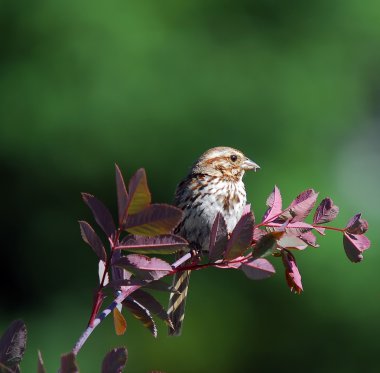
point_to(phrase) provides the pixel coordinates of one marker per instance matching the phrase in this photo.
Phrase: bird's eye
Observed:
(233, 157)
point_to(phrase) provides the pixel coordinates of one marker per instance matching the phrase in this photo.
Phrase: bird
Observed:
(213, 185)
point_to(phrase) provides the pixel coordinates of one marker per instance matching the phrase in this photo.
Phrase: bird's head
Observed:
(224, 162)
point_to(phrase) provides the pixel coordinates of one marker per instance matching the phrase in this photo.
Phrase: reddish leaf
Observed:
(91, 238)
(152, 304)
(142, 314)
(218, 238)
(115, 360)
(122, 195)
(144, 267)
(295, 228)
(266, 245)
(139, 194)
(274, 203)
(40, 363)
(357, 225)
(155, 219)
(101, 214)
(231, 265)
(325, 212)
(163, 244)
(289, 240)
(354, 245)
(301, 207)
(258, 269)
(12, 345)
(119, 322)
(241, 237)
(68, 363)
(292, 274)
(309, 238)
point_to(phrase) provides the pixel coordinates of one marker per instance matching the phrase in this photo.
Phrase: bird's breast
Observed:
(201, 199)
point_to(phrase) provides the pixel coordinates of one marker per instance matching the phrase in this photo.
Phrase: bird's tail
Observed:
(177, 302)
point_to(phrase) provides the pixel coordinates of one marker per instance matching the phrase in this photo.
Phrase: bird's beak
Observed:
(249, 165)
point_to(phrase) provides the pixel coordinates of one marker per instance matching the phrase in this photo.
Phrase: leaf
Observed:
(218, 238)
(292, 274)
(91, 238)
(152, 304)
(12, 344)
(241, 237)
(68, 363)
(141, 314)
(163, 244)
(155, 219)
(274, 203)
(309, 238)
(119, 322)
(357, 225)
(40, 363)
(101, 214)
(139, 194)
(301, 206)
(355, 245)
(289, 240)
(266, 245)
(122, 195)
(258, 269)
(115, 360)
(325, 212)
(144, 267)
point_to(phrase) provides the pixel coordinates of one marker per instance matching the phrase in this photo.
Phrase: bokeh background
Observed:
(293, 84)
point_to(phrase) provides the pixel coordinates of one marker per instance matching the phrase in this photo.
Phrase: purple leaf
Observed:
(241, 237)
(266, 245)
(115, 360)
(101, 214)
(301, 207)
(325, 212)
(357, 225)
(163, 244)
(292, 274)
(152, 304)
(354, 245)
(12, 345)
(91, 238)
(144, 267)
(258, 269)
(139, 194)
(68, 363)
(309, 238)
(289, 240)
(141, 314)
(155, 219)
(218, 238)
(274, 203)
(40, 363)
(122, 195)
(296, 228)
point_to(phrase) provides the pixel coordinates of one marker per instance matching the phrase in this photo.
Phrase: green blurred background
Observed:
(293, 84)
